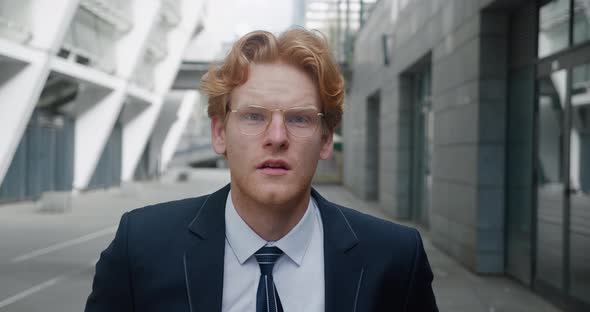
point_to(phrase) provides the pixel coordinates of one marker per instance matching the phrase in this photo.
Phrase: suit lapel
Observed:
(342, 261)
(203, 260)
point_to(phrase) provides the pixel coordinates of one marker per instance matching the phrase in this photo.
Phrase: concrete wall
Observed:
(467, 48)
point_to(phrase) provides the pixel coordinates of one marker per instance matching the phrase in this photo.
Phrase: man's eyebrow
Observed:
(238, 102)
(247, 101)
(307, 105)
(246, 104)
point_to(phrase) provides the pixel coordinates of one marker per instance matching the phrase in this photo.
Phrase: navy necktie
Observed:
(267, 298)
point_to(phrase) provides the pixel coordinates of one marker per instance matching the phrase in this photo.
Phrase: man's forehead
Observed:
(277, 73)
(276, 83)
(274, 97)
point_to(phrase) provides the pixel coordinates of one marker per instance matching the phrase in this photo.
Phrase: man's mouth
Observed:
(274, 167)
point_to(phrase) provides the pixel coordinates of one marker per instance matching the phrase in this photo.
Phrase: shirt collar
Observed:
(245, 242)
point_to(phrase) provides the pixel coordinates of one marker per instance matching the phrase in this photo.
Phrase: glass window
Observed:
(551, 104)
(422, 139)
(581, 20)
(553, 26)
(580, 184)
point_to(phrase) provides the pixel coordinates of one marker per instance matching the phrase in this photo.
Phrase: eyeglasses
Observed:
(300, 121)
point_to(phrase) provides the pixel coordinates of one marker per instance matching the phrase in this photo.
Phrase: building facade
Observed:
(472, 118)
(84, 97)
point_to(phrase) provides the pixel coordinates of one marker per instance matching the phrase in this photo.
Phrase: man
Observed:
(267, 241)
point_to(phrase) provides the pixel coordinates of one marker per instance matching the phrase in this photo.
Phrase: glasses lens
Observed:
(252, 120)
(301, 122)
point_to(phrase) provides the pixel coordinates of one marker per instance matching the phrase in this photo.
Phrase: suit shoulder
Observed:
(376, 228)
(167, 213)
(384, 239)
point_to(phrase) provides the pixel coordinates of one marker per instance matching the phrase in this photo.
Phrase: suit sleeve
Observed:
(111, 288)
(420, 293)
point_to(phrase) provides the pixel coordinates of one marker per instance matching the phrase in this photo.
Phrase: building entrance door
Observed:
(422, 146)
(562, 259)
(578, 190)
(551, 179)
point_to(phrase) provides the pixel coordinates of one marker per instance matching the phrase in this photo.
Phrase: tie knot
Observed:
(267, 257)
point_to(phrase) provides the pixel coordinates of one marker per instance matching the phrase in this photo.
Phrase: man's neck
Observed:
(270, 222)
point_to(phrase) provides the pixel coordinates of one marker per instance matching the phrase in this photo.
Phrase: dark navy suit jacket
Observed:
(169, 257)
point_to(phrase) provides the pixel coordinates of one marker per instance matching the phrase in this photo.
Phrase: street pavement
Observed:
(47, 259)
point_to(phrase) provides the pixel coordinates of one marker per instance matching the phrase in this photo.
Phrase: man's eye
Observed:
(254, 117)
(298, 120)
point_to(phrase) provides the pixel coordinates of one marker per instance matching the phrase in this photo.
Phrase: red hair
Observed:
(307, 50)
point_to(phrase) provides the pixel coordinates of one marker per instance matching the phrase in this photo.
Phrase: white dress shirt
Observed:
(298, 274)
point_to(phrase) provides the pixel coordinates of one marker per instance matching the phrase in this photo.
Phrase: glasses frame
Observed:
(283, 111)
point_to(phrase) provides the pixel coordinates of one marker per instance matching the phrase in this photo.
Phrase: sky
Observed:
(227, 20)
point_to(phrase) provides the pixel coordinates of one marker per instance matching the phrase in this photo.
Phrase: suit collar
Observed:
(203, 260)
(337, 228)
(343, 263)
(212, 209)
(208, 218)
(244, 242)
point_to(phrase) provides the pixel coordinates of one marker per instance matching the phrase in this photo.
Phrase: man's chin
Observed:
(277, 193)
(272, 191)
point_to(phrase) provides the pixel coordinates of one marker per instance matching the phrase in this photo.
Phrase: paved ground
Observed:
(47, 259)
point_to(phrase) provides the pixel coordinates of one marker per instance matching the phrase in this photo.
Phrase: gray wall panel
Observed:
(469, 71)
(44, 159)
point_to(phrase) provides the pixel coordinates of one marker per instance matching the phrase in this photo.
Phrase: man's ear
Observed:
(327, 145)
(218, 135)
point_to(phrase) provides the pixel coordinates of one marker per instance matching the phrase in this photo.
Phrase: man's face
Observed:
(274, 167)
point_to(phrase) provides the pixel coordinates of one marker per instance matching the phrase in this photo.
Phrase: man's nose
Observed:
(276, 133)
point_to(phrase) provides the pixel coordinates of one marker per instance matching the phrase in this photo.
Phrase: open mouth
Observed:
(274, 167)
